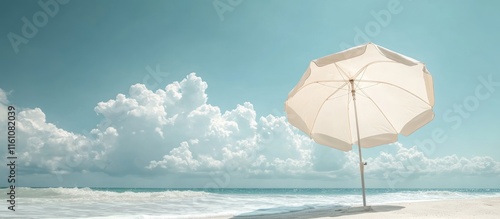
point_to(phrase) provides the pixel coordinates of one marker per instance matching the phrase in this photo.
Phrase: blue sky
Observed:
(246, 56)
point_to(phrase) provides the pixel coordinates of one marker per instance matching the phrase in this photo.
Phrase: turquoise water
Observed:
(301, 191)
(203, 203)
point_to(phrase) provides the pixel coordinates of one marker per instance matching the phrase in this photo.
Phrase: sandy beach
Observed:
(462, 208)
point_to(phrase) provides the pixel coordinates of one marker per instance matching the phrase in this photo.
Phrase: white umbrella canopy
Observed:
(365, 95)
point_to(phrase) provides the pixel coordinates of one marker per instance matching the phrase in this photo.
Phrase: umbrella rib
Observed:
(318, 82)
(319, 108)
(363, 71)
(321, 83)
(376, 105)
(341, 72)
(361, 88)
(407, 91)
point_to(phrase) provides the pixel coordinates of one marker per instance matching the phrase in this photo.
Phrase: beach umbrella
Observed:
(365, 95)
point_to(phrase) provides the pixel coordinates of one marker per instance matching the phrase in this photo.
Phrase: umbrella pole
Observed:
(361, 165)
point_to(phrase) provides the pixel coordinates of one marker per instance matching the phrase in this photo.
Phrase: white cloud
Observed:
(411, 163)
(42, 147)
(181, 159)
(175, 130)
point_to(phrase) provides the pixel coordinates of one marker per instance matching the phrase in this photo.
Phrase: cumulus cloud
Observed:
(176, 130)
(46, 148)
(412, 163)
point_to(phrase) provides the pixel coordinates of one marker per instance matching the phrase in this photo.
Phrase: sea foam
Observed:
(202, 203)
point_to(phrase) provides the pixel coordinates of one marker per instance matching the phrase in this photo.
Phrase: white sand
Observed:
(463, 208)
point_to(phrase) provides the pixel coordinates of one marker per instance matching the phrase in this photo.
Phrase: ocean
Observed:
(204, 203)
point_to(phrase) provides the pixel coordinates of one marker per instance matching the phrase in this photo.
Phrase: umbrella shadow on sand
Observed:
(318, 212)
